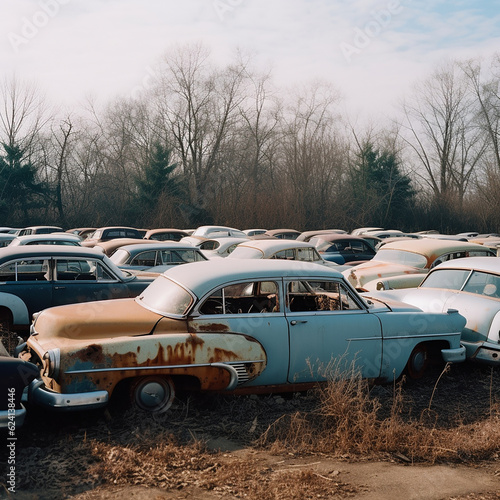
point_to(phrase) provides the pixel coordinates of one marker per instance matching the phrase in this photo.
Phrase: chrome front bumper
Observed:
(484, 352)
(454, 355)
(39, 395)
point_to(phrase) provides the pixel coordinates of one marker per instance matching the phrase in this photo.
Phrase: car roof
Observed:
(49, 236)
(199, 277)
(487, 264)
(338, 237)
(7, 253)
(275, 245)
(426, 246)
(279, 231)
(167, 245)
(165, 230)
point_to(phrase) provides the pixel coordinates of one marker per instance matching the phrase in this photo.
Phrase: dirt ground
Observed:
(209, 448)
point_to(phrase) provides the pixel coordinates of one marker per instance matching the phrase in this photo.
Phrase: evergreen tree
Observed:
(20, 191)
(157, 188)
(382, 193)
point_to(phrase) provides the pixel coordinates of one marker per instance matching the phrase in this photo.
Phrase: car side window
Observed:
(483, 284)
(81, 270)
(284, 254)
(243, 298)
(145, 259)
(306, 295)
(25, 270)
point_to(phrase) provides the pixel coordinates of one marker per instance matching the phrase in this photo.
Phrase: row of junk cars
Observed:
(121, 314)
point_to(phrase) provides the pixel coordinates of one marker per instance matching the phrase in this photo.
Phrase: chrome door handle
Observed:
(295, 322)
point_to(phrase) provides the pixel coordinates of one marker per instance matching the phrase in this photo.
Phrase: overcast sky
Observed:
(371, 50)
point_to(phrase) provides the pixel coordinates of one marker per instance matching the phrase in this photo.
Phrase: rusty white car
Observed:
(404, 264)
(233, 325)
(472, 286)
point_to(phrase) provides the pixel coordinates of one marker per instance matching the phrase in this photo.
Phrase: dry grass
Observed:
(346, 419)
(349, 421)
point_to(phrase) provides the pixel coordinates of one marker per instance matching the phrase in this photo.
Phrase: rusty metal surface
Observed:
(170, 350)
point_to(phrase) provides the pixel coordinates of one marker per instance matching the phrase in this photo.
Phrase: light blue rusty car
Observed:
(470, 285)
(235, 325)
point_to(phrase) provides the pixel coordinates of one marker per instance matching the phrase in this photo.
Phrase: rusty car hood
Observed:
(97, 320)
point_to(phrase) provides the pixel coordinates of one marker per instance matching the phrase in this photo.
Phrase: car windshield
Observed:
(401, 257)
(450, 279)
(165, 297)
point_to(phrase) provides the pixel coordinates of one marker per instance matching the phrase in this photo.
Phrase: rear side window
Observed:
(25, 270)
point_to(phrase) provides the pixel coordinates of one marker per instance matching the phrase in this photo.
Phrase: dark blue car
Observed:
(343, 249)
(33, 278)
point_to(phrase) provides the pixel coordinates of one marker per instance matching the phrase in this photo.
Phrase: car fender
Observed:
(395, 282)
(494, 332)
(81, 366)
(17, 307)
(402, 332)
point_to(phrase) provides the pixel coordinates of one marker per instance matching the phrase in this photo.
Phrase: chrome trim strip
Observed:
(162, 367)
(403, 337)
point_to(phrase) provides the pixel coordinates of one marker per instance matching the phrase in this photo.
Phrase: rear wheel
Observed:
(418, 362)
(153, 394)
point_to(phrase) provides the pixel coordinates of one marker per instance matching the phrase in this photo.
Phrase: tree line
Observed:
(204, 143)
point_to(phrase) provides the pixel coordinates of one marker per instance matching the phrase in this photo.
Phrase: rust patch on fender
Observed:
(208, 327)
(92, 353)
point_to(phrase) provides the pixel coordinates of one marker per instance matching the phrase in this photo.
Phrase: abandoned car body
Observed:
(404, 264)
(245, 326)
(470, 285)
(33, 278)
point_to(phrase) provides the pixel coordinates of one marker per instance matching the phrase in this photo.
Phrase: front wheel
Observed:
(153, 394)
(418, 362)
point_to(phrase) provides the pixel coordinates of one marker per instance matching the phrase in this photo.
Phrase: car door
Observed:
(251, 308)
(84, 280)
(330, 331)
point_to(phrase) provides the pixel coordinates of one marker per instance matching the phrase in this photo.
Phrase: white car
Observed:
(218, 232)
(47, 239)
(404, 264)
(471, 286)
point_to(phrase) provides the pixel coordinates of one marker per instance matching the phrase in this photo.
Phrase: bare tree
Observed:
(439, 128)
(199, 106)
(310, 158)
(23, 113)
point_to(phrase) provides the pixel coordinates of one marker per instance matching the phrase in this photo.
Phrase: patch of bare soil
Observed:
(212, 447)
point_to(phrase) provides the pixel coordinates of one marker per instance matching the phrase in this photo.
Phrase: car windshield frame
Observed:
(167, 297)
